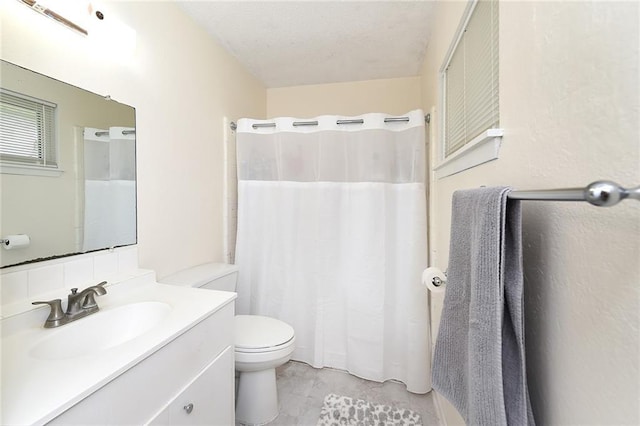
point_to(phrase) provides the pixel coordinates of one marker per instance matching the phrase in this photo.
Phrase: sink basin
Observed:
(101, 331)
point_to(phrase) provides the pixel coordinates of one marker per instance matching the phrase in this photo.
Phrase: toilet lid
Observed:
(256, 332)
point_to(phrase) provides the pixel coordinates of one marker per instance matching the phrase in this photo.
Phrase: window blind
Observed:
(471, 79)
(27, 130)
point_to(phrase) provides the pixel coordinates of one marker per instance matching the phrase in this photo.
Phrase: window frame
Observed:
(7, 166)
(485, 146)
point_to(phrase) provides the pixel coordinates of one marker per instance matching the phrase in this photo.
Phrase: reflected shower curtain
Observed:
(109, 188)
(332, 239)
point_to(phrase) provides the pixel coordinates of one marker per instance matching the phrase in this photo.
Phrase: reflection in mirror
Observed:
(67, 168)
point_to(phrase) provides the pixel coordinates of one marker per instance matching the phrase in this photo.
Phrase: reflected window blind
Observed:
(27, 130)
(471, 79)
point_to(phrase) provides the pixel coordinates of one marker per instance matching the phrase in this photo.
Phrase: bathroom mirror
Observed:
(67, 168)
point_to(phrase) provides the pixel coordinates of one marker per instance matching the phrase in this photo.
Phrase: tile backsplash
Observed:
(30, 281)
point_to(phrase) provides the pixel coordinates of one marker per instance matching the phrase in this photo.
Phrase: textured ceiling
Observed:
(290, 43)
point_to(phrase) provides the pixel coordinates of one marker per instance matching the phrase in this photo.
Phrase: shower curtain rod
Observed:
(600, 193)
(124, 132)
(427, 119)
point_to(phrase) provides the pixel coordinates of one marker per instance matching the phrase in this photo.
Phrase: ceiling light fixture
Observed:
(44, 10)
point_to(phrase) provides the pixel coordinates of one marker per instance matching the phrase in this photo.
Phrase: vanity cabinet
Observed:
(197, 368)
(206, 400)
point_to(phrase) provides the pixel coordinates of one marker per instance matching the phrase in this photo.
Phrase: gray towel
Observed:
(479, 360)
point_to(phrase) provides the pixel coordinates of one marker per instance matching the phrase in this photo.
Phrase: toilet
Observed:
(261, 345)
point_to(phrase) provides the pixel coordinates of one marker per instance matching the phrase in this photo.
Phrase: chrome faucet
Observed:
(84, 303)
(79, 305)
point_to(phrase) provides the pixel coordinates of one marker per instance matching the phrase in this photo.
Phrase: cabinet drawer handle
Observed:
(188, 408)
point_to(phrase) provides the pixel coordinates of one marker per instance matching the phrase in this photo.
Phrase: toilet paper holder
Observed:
(15, 241)
(437, 281)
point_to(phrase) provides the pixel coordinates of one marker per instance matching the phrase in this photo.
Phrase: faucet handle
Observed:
(55, 315)
(90, 299)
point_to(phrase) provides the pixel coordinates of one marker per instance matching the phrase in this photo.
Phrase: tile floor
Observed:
(302, 388)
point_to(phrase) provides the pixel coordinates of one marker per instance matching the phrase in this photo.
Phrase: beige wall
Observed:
(569, 105)
(183, 87)
(393, 96)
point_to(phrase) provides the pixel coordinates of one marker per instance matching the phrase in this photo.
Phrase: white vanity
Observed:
(153, 354)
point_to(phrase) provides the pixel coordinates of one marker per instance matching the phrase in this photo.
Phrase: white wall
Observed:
(183, 87)
(569, 104)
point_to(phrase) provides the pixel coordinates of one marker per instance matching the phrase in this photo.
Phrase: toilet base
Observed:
(257, 402)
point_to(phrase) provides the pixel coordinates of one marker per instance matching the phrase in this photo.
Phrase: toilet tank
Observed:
(212, 276)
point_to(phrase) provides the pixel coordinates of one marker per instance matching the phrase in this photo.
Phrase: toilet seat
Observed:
(259, 334)
(285, 345)
(262, 343)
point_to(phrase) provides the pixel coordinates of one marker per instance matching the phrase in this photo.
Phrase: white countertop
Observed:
(34, 391)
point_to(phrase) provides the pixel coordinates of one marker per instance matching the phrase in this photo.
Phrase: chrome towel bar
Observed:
(601, 193)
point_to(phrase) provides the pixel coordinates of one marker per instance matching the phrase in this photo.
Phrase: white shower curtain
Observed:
(332, 239)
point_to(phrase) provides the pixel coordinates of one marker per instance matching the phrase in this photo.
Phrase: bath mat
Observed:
(341, 410)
